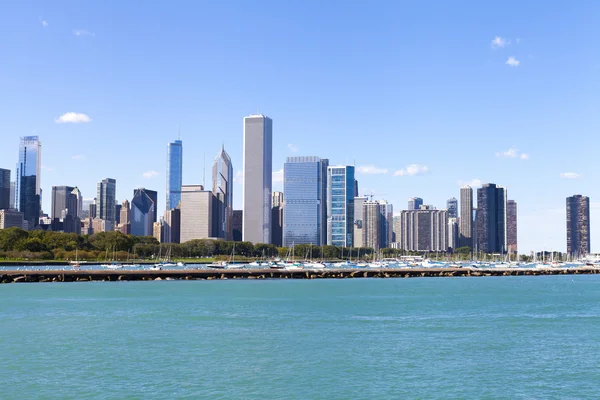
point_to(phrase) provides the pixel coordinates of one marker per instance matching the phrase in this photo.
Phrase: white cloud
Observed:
(412, 170)
(499, 42)
(371, 170)
(239, 177)
(44, 23)
(513, 62)
(73, 118)
(293, 148)
(570, 175)
(513, 152)
(83, 32)
(278, 176)
(78, 157)
(150, 174)
(473, 183)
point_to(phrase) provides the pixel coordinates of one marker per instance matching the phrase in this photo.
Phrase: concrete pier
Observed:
(15, 276)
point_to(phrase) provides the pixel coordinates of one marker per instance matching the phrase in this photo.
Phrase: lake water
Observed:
(504, 337)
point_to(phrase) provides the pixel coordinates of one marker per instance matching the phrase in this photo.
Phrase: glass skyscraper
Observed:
(143, 212)
(491, 219)
(305, 208)
(105, 200)
(27, 182)
(174, 173)
(222, 188)
(340, 205)
(578, 225)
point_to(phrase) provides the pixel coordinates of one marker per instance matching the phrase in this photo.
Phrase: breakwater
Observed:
(15, 276)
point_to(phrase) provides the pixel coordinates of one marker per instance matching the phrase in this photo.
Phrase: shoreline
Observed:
(33, 276)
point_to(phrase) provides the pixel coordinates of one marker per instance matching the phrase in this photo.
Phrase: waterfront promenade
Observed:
(18, 276)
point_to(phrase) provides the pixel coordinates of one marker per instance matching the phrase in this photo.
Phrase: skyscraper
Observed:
(11, 204)
(452, 207)
(423, 230)
(125, 217)
(340, 205)
(415, 203)
(371, 215)
(105, 202)
(4, 189)
(511, 226)
(222, 188)
(143, 212)
(79, 197)
(27, 182)
(258, 173)
(238, 220)
(277, 219)
(491, 219)
(65, 210)
(174, 173)
(195, 213)
(305, 211)
(387, 224)
(172, 225)
(452, 233)
(465, 229)
(578, 225)
(358, 222)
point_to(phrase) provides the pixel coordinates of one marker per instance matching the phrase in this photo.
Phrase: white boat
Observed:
(314, 265)
(114, 265)
(181, 264)
(218, 264)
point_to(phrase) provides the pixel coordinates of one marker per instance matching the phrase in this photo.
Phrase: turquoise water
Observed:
(506, 337)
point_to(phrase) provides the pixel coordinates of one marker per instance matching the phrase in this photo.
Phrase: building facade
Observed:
(491, 219)
(28, 192)
(465, 229)
(174, 173)
(578, 225)
(105, 201)
(277, 219)
(65, 209)
(423, 230)
(237, 222)
(11, 219)
(4, 189)
(257, 180)
(452, 207)
(387, 224)
(195, 213)
(305, 211)
(453, 233)
(372, 225)
(172, 226)
(415, 203)
(511, 226)
(358, 222)
(222, 188)
(340, 205)
(143, 212)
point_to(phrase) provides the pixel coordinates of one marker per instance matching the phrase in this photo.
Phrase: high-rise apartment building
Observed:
(4, 189)
(423, 230)
(452, 207)
(465, 229)
(305, 211)
(340, 205)
(222, 188)
(257, 180)
(578, 225)
(415, 203)
(143, 212)
(105, 202)
(491, 219)
(358, 222)
(511, 226)
(28, 192)
(174, 173)
(387, 224)
(65, 209)
(371, 218)
(453, 233)
(195, 213)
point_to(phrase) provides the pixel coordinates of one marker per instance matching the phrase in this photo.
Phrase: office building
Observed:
(222, 188)
(143, 212)
(465, 230)
(65, 209)
(372, 225)
(340, 205)
(174, 173)
(172, 225)
(158, 231)
(452, 207)
(11, 219)
(79, 199)
(356, 188)
(491, 219)
(12, 204)
(195, 213)
(358, 222)
(258, 172)
(101, 225)
(511, 226)
(453, 233)
(578, 225)
(105, 200)
(28, 192)
(423, 230)
(415, 203)
(4, 189)
(237, 223)
(305, 211)
(277, 219)
(387, 221)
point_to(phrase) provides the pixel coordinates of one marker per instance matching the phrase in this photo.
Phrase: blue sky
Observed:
(386, 85)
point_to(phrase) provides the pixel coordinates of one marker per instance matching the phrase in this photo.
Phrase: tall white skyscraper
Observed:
(257, 183)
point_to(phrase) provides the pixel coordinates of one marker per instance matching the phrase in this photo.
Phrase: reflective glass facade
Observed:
(143, 212)
(305, 205)
(340, 205)
(27, 182)
(174, 173)
(222, 188)
(105, 200)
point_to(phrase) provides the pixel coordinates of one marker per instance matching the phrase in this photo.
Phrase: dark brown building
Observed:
(511, 226)
(578, 225)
